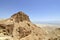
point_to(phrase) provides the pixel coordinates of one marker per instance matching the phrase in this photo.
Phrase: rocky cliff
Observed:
(19, 27)
(19, 17)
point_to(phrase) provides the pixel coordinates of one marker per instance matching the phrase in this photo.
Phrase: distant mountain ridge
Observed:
(52, 23)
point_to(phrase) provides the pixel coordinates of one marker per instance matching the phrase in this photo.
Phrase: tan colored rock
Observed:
(6, 29)
(21, 28)
(20, 16)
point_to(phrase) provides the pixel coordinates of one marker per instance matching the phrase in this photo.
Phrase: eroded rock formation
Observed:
(19, 17)
(6, 29)
(20, 27)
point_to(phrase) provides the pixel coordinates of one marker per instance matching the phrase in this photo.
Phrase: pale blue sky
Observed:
(38, 10)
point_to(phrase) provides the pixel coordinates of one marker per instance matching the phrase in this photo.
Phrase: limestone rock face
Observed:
(19, 27)
(6, 29)
(20, 16)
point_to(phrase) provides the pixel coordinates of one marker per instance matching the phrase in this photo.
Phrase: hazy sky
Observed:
(38, 10)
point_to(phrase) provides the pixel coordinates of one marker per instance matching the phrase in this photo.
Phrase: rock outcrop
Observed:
(19, 17)
(19, 27)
